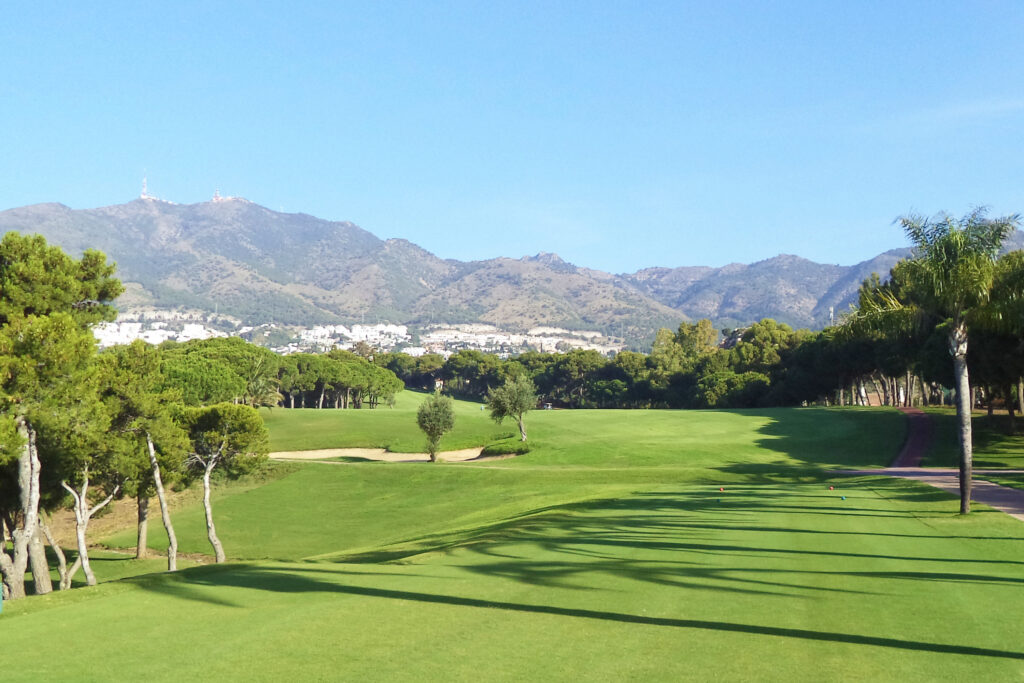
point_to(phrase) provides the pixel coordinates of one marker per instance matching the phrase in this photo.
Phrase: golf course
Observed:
(625, 545)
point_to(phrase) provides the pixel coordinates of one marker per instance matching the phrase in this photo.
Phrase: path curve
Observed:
(1009, 500)
(907, 465)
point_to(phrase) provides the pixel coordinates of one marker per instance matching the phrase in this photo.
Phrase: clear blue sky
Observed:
(619, 135)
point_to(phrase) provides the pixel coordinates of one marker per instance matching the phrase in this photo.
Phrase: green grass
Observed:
(575, 454)
(607, 553)
(392, 428)
(781, 583)
(994, 446)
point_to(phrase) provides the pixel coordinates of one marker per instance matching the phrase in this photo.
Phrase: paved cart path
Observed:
(919, 438)
(908, 465)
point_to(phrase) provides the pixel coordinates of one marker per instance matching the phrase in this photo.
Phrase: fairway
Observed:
(606, 553)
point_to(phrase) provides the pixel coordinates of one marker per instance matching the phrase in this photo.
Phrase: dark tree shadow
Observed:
(285, 580)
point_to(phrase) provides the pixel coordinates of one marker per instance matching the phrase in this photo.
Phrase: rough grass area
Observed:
(608, 552)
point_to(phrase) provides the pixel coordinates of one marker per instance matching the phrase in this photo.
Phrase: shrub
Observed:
(505, 448)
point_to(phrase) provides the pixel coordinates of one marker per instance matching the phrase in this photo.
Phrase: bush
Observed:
(505, 448)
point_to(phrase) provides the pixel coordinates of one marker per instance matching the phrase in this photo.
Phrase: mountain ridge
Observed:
(243, 259)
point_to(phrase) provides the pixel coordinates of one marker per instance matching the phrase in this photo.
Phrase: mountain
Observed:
(241, 259)
(245, 260)
(787, 288)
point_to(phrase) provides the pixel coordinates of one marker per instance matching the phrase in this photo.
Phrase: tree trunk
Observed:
(142, 537)
(1009, 408)
(211, 530)
(958, 347)
(291, 398)
(320, 403)
(40, 567)
(62, 563)
(13, 568)
(990, 396)
(522, 429)
(172, 540)
(81, 522)
(1020, 395)
(878, 394)
(83, 513)
(6, 565)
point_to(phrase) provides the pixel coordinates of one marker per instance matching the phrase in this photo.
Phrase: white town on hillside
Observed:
(155, 326)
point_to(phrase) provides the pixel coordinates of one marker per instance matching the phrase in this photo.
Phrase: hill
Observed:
(242, 259)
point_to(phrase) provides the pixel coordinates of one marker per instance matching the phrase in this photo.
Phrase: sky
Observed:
(620, 135)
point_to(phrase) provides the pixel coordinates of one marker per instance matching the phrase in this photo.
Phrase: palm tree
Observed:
(1008, 290)
(947, 284)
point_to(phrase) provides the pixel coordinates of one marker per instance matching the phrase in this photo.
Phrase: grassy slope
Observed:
(606, 553)
(576, 454)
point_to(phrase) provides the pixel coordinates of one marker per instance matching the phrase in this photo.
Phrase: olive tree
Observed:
(435, 416)
(513, 399)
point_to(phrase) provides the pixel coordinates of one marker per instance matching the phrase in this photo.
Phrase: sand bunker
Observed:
(376, 454)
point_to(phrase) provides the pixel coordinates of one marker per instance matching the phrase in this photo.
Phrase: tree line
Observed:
(229, 369)
(893, 349)
(764, 365)
(79, 428)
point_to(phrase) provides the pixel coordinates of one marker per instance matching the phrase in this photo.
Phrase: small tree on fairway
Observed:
(227, 435)
(514, 399)
(436, 416)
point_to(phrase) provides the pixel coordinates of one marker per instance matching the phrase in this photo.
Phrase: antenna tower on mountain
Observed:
(145, 193)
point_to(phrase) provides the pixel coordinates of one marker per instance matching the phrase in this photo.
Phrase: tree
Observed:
(76, 449)
(227, 435)
(48, 302)
(435, 416)
(141, 412)
(949, 283)
(514, 399)
(200, 381)
(697, 339)
(1008, 293)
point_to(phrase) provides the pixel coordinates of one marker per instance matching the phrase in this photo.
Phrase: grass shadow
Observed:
(285, 580)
